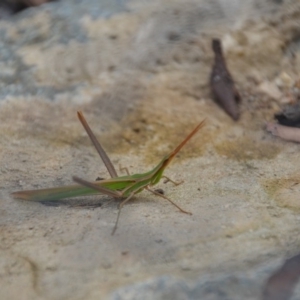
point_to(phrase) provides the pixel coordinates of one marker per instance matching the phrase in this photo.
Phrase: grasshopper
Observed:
(122, 187)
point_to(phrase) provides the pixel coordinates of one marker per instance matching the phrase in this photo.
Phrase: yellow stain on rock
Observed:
(246, 148)
(284, 191)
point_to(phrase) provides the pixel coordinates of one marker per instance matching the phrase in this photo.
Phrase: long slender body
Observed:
(118, 187)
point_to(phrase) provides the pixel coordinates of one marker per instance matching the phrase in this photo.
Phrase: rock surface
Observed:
(139, 71)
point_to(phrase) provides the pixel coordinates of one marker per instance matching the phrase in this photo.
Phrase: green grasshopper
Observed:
(118, 186)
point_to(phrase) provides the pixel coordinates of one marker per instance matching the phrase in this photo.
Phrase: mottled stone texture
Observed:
(139, 71)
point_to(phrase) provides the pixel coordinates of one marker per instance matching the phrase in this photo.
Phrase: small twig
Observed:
(285, 132)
